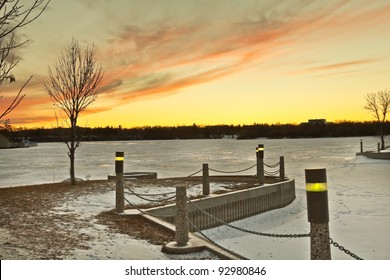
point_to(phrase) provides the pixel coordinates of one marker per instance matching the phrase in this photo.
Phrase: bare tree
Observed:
(73, 85)
(13, 16)
(378, 103)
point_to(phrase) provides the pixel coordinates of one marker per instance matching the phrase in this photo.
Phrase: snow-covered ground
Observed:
(106, 245)
(358, 189)
(359, 206)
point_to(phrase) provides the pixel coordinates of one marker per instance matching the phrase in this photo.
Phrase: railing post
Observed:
(379, 147)
(206, 181)
(260, 163)
(119, 191)
(361, 145)
(182, 244)
(282, 173)
(181, 235)
(318, 213)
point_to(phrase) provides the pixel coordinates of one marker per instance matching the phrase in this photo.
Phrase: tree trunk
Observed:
(382, 139)
(72, 150)
(72, 173)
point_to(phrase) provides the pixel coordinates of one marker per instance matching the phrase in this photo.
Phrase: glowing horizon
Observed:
(170, 63)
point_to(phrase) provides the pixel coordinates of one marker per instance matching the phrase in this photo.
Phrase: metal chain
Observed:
(145, 194)
(272, 165)
(276, 235)
(251, 231)
(341, 248)
(144, 212)
(370, 147)
(193, 174)
(152, 200)
(272, 173)
(230, 172)
(215, 243)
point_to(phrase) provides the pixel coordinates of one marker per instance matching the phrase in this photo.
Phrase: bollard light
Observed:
(317, 195)
(260, 151)
(119, 159)
(119, 189)
(260, 163)
(318, 213)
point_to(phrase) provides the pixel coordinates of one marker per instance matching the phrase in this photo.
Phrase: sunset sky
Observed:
(179, 62)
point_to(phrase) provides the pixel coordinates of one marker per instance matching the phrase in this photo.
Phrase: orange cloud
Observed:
(164, 59)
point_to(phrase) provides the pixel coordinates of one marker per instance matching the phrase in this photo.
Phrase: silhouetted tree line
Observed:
(341, 129)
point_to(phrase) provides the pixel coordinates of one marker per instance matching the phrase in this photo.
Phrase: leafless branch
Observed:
(19, 97)
(13, 16)
(73, 82)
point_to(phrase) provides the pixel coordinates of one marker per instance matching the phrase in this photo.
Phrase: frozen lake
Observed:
(49, 162)
(358, 188)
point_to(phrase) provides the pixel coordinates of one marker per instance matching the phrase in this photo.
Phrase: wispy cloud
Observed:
(166, 58)
(340, 67)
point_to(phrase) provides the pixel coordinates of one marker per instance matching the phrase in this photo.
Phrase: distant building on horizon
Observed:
(316, 121)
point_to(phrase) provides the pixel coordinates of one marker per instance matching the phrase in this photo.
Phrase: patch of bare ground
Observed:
(32, 228)
(136, 226)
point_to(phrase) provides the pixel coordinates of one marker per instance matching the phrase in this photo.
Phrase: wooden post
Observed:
(282, 173)
(206, 181)
(120, 192)
(318, 213)
(260, 163)
(181, 235)
(361, 145)
(379, 147)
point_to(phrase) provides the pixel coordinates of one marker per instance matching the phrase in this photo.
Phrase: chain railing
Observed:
(275, 235)
(246, 230)
(222, 222)
(272, 166)
(144, 212)
(142, 196)
(232, 172)
(213, 242)
(167, 199)
(346, 251)
(371, 148)
(193, 174)
(266, 172)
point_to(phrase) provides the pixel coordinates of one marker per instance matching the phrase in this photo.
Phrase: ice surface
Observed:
(358, 187)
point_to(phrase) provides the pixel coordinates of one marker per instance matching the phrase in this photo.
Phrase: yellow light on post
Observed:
(119, 189)
(318, 213)
(316, 187)
(260, 151)
(260, 163)
(317, 195)
(119, 158)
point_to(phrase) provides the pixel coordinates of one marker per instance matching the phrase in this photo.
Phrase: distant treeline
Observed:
(305, 130)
